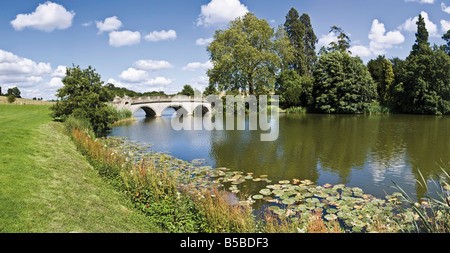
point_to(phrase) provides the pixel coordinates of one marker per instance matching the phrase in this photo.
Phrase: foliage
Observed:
(446, 37)
(293, 89)
(297, 109)
(13, 91)
(426, 77)
(247, 55)
(303, 39)
(342, 84)
(121, 92)
(11, 98)
(343, 43)
(382, 73)
(187, 90)
(83, 96)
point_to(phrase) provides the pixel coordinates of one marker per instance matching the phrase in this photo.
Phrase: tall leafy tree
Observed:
(383, 75)
(426, 80)
(310, 41)
(247, 55)
(343, 43)
(342, 84)
(83, 95)
(13, 91)
(422, 45)
(296, 31)
(303, 39)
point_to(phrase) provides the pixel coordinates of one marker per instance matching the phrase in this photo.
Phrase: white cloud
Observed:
(110, 24)
(199, 83)
(220, 11)
(325, 40)
(133, 75)
(421, 1)
(202, 42)
(87, 24)
(124, 38)
(361, 51)
(159, 81)
(445, 25)
(411, 26)
(445, 8)
(193, 66)
(161, 35)
(379, 41)
(152, 65)
(55, 82)
(23, 71)
(60, 71)
(47, 17)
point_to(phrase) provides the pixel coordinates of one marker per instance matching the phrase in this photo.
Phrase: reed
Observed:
(433, 212)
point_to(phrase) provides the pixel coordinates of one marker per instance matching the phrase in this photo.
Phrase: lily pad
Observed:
(258, 196)
(265, 192)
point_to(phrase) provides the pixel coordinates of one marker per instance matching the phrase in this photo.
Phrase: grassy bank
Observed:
(47, 186)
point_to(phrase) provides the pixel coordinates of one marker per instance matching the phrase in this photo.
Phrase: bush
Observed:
(11, 98)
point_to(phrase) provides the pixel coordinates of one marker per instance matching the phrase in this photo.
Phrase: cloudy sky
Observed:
(161, 45)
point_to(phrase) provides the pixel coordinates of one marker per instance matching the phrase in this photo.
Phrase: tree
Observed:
(310, 40)
(342, 84)
(294, 90)
(14, 91)
(383, 75)
(426, 79)
(83, 96)
(446, 37)
(296, 33)
(422, 45)
(343, 43)
(302, 38)
(187, 91)
(247, 55)
(0, 90)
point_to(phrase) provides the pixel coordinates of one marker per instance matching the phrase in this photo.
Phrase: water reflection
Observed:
(357, 150)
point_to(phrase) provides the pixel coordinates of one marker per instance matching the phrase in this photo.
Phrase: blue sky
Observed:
(161, 45)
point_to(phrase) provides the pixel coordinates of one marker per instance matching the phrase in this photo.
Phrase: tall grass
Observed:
(155, 191)
(433, 213)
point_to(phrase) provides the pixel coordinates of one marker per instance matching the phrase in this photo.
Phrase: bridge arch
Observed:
(201, 110)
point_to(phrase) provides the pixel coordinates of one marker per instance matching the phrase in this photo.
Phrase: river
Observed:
(366, 151)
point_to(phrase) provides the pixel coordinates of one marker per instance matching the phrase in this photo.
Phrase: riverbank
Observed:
(112, 186)
(47, 186)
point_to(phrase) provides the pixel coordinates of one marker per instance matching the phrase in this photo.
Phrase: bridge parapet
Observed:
(155, 105)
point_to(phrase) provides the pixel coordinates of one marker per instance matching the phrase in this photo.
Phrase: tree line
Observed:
(250, 57)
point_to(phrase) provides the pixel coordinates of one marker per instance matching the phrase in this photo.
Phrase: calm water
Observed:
(357, 150)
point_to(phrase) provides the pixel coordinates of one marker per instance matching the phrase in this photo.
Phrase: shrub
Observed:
(11, 98)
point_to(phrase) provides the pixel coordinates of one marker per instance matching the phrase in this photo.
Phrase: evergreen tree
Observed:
(310, 41)
(343, 43)
(422, 43)
(426, 79)
(295, 30)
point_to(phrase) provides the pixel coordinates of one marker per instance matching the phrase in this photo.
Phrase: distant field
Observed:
(47, 186)
(25, 101)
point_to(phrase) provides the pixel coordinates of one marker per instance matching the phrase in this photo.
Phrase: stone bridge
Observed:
(154, 106)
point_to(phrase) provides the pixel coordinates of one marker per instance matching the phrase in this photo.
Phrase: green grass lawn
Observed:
(47, 186)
